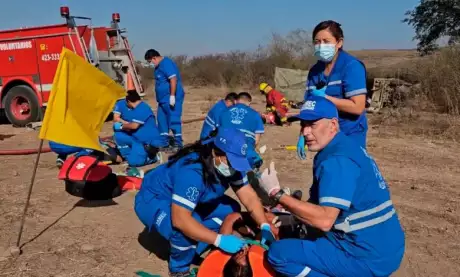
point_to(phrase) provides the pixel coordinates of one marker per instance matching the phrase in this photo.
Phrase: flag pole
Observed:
(26, 206)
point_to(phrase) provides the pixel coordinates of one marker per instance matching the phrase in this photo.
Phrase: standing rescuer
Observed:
(184, 200)
(341, 78)
(349, 201)
(277, 105)
(169, 94)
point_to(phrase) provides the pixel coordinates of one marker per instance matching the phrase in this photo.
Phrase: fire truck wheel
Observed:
(21, 106)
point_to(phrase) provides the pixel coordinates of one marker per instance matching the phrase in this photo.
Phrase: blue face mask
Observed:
(325, 52)
(224, 169)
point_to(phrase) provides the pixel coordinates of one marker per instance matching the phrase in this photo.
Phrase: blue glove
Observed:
(319, 92)
(229, 243)
(301, 148)
(266, 234)
(117, 126)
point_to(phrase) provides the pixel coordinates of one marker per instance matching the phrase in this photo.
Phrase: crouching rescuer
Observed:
(349, 202)
(138, 139)
(184, 199)
(277, 106)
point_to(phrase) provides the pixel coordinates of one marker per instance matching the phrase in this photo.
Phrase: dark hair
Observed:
(233, 269)
(205, 157)
(231, 96)
(132, 96)
(151, 53)
(244, 95)
(330, 25)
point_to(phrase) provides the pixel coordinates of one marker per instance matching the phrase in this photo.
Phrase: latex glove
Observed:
(266, 234)
(229, 243)
(301, 148)
(319, 92)
(117, 126)
(172, 100)
(269, 181)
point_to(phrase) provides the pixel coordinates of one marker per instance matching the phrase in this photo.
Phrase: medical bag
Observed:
(89, 178)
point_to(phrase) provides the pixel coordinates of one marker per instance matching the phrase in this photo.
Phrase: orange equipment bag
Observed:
(214, 263)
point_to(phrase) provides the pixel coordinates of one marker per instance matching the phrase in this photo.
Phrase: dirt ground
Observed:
(67, 237)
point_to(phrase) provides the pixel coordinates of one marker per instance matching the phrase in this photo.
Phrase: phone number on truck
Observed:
(50, 57)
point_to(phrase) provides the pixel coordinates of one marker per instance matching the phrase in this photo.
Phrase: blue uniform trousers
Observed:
(170, 119)
(255, 161)
(319, 258)
(156, 214)
(132, 150)
(63, 150)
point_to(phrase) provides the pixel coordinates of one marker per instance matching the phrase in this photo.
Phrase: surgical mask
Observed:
(224, 169)
(325, 52)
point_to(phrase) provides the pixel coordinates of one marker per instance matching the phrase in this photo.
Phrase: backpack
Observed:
(88, 178)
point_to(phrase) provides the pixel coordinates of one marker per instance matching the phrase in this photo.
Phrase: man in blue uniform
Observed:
(63, 151)
(244, 118)
(212, 118)
(169, 95)
(121, 113)
(349, 202)
(141, 140)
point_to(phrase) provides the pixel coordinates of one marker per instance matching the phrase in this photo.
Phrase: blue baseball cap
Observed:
(315, 108)
(233, 142)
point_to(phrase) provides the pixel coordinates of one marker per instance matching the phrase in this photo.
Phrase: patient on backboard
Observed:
(241, 224)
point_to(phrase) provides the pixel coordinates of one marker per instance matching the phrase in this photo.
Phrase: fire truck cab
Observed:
(29, 59)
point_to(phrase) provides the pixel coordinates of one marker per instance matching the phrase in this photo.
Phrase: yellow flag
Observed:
(81, 99)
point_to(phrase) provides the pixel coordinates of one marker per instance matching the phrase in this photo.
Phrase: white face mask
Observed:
(224, 169)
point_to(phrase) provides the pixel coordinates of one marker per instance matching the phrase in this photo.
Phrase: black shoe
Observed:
(180, 274)
(297, 194)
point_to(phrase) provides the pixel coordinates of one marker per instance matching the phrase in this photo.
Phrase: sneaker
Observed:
(59, 163)
(182, 274)
(134, 172)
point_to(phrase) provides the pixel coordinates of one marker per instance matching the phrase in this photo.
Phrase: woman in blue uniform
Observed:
(341, 78)
(184, 200)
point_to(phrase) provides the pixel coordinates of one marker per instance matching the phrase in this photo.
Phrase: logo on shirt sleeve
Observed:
(192, 194)
(243, 149)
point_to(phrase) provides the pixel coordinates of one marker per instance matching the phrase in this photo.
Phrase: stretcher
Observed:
(214, 263)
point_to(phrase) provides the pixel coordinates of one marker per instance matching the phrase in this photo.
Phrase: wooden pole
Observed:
(31, 185)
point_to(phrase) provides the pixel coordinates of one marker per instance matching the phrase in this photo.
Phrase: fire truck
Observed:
(29, 59)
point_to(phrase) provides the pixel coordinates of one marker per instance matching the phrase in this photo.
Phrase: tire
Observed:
(24, 95)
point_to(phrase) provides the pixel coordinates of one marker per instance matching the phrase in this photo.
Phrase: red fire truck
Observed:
(29, 58)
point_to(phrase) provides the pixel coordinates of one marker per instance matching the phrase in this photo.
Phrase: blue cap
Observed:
(315, 108)
(233, 143)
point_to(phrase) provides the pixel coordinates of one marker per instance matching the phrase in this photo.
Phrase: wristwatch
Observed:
(278, 195)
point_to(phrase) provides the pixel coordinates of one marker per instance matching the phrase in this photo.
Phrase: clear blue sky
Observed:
(195, 27)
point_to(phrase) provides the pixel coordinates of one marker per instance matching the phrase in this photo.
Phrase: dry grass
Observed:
(437, 76)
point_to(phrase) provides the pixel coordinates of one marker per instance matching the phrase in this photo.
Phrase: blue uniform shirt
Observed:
(212, 118)
(347, 79)
(183, 184)
(147, 131)
(346, 177)
(164, 71)
(245, 119)
(121, 108)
